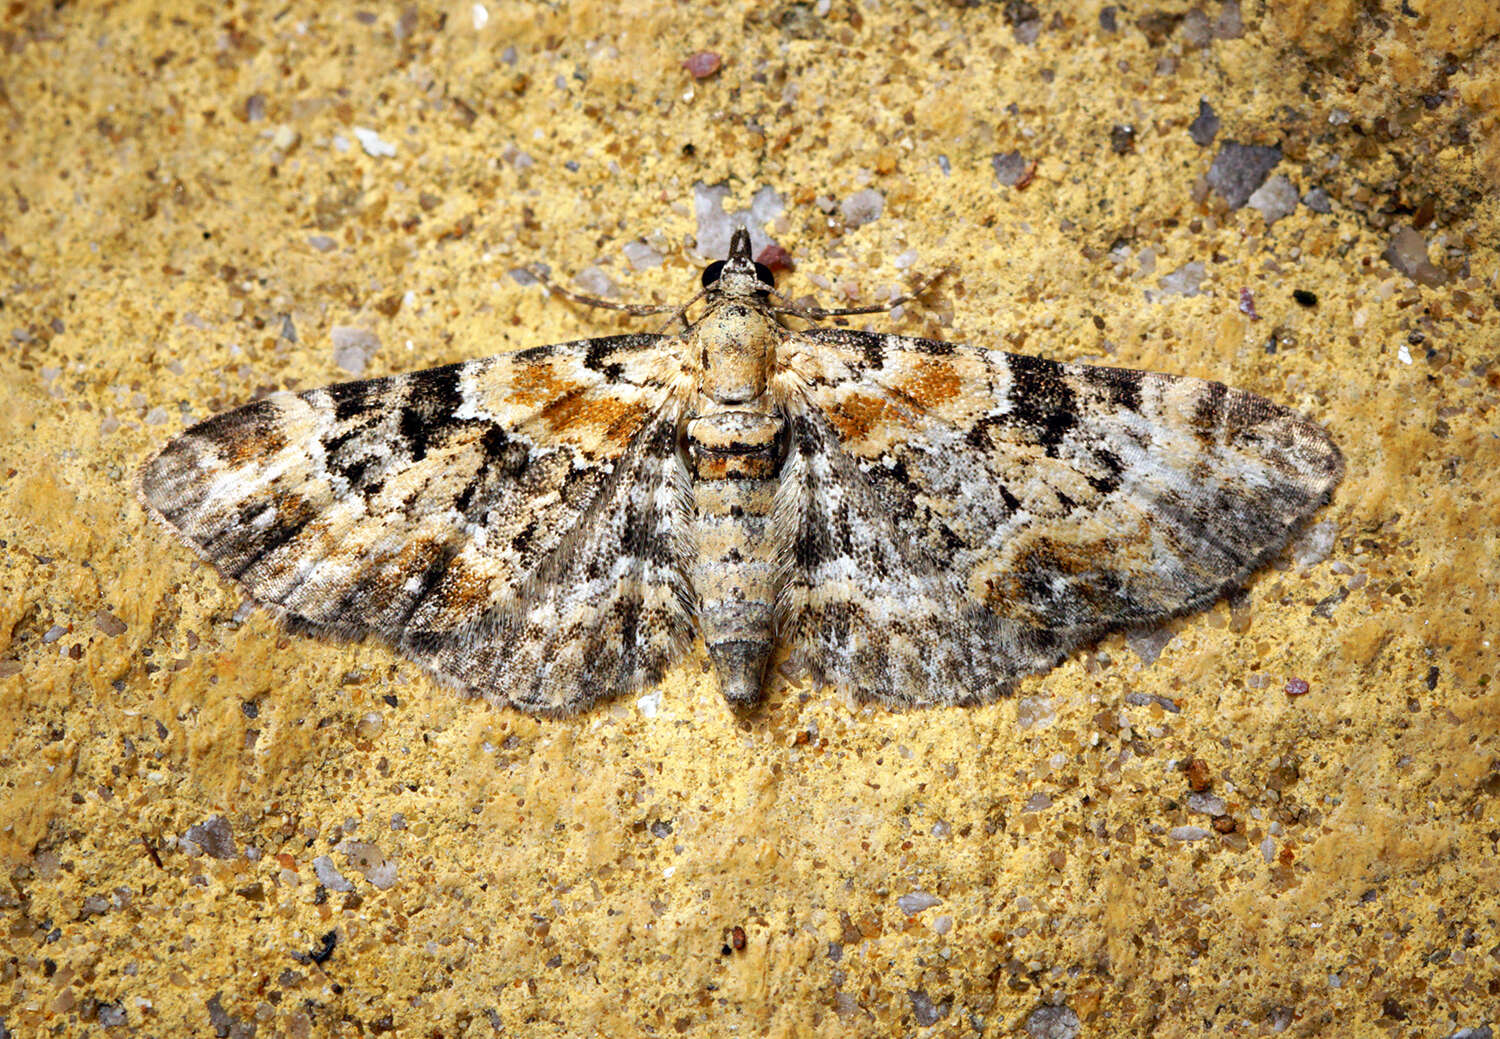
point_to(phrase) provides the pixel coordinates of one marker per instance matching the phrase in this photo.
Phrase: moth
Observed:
(920, 522)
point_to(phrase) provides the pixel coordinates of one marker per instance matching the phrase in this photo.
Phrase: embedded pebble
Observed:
(1185, 280)
(716, 224)
(641, 256)
(1407, 252)
(924, 1010)
(1207, 804)
(329, 876)
(1276, 198)
(1147, 643)
(214, 836)
(1053, 1023)
(369, 860)
(917, 901)
(370, 725)
(1318, 201)
(1239, 169)
(371, 142)
(1205, 127)
(862, 207)
(1009, 168)
(1188, 833)
(702, 64)
(1314, 545)
(353, 347)
(594, 281)
(108, 624)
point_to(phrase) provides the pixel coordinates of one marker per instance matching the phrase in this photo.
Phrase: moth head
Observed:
(739, 275)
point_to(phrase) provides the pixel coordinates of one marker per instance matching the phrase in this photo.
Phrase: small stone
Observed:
(1009, 168)
(776, 259)
(107, 623)
(1318, 201)
(702, 64)
(1276, 198)
(1148, 643)
(1188, 833)
(214, 836)
(1407, 252)
(862, 207)
(1230, 25)
(322, 243)
(1205, 127)
(284, 138)
(111, 1015)
(1297, 687)
(1122, 139)
(1239, 169)
(925, 1010)
(370, 725)
(329, 876)
(595, 282)
(1197, 31)
(353, 347)
(369, 860)
(371, 142)
(1198, 776)
(1206, 804)
(1052, 1023)
(94, 905)
(1185, 280)
(641, 256)
(914, 903)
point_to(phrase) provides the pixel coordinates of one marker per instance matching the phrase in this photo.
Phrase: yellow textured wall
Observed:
(167, 172)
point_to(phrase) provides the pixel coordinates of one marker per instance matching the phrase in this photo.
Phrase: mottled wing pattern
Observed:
(447, 508)
(962, 517)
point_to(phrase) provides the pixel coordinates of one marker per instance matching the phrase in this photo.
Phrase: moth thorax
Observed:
(737, 342)
(731, 445)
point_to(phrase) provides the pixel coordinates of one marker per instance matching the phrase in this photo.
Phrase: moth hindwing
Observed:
(921, 522)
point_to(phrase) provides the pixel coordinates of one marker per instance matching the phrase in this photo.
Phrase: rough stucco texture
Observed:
(209, 826)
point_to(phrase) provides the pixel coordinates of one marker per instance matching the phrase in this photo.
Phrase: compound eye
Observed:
(763, 273)
(711, 273)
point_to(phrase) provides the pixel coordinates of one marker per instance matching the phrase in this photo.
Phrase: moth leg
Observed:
(638, 309)
(819, 313)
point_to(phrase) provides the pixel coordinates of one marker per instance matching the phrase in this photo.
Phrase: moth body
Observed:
(734, 448)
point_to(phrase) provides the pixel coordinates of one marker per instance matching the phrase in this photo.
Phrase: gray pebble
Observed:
(1407, 252)
(1239, 169)
(329, 876)
(214, 836)
(1205, 127)
(1053, 1023)
(1009, 168)
(862, 207)
(917, 901)
(1276, 198)
(1318, 201)
(353, 347)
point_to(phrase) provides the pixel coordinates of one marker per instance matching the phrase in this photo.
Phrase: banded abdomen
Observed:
(734, 458)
